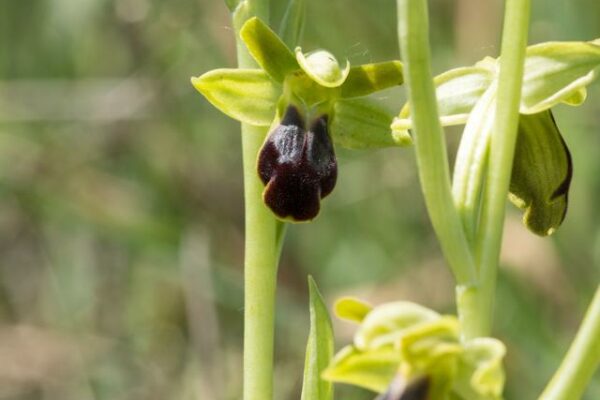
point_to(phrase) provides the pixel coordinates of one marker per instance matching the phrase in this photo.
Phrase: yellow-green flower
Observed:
(310, 102)
(402, 349)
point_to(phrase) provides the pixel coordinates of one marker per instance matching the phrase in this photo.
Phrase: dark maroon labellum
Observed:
(298, 167)
(417, 389)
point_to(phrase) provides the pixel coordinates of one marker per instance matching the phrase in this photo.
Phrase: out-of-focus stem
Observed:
(581, 361)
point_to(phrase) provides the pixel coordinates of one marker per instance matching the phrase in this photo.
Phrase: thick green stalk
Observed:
(263, 242)
(504, 136)
(432, 159)
(581, 361)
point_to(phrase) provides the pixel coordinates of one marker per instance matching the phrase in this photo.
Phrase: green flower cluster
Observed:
(402, 348)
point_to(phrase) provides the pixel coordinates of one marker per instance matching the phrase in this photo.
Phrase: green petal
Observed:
(351, 309)
(361, 124)
(369, 78)
(319, 350)
(388, 322)
(267, 49)
(425, 346)
(247, 95)
(322, 67)
(373, 370)
(541, 173)
(556, 72)
(457, 92)
(481, 373)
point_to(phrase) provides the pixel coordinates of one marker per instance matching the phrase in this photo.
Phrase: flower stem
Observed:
(504, 136)
(581, 361)
(263, 238)
(432, 159)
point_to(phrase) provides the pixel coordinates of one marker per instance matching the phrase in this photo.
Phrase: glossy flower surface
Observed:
(297, 166)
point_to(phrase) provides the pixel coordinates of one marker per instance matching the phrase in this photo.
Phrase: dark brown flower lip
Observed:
(297, 166)
(400, 389)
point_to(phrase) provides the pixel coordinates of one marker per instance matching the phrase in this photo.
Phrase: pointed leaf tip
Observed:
(319, 349)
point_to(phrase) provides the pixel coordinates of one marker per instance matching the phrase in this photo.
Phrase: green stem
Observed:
(581, 361)
(263, 239)
(489, 236)
(432, 159)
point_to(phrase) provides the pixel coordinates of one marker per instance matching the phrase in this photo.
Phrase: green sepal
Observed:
(351, 309)
(557, 72)
(369, 78)
(322, 67)
(267, 49)
(319, 349)
(386, 324)
(541, 174)
(373, 370)
(472, 158)
(362, 124)
(247, 95)
(457, 92)
(292, 24)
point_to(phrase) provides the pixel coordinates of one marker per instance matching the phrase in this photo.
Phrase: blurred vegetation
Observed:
(121, 215)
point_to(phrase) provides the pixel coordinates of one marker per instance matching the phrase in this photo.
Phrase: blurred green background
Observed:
(121, 213)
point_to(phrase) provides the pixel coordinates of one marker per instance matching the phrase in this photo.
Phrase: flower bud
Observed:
(297, 166)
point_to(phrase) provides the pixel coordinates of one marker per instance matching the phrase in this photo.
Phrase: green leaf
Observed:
(319, 350)
(369, 78)
(322, 67)
(292, 24)
(267, 49)
(541, 173)
(247, 95)
(373, 370)
(351, 309)
(555, 72)
(388, 322)
(457, 92)
(361, 124)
